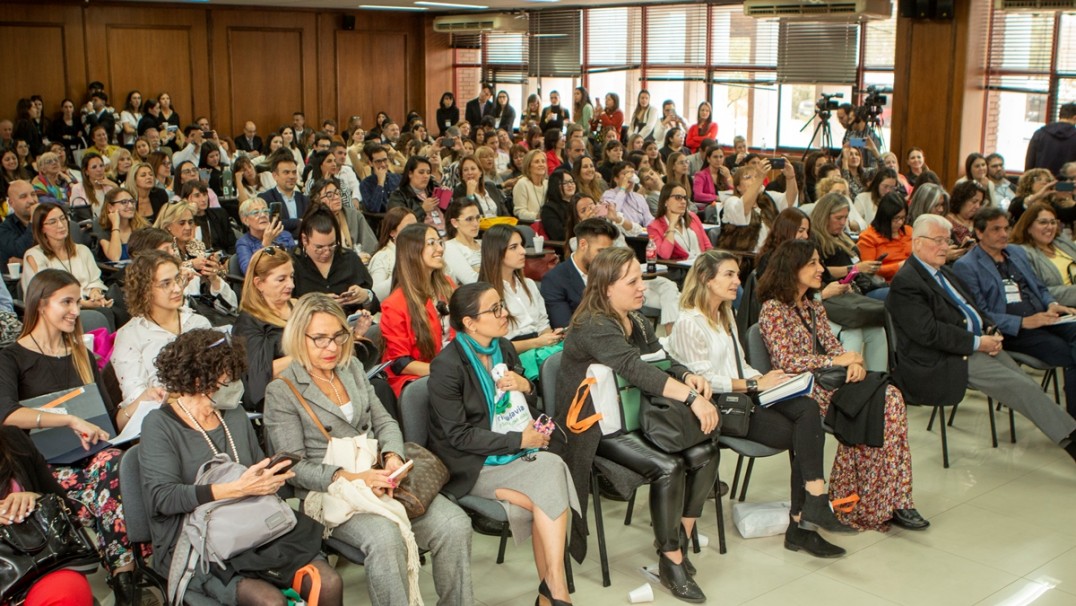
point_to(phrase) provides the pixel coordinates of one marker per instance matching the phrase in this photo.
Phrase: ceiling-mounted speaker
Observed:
(349, 23)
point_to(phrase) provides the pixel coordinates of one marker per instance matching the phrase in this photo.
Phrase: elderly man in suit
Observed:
(249, 141)
(1000, 278)
(562, 287)
(946, 342)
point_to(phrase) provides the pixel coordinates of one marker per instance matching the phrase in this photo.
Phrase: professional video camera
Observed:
(875, 102)
(827, 103)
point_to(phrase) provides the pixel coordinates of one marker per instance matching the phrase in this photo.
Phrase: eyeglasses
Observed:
(319, 248)
(471, 219)
(566, 183)
(498, 310)
(167, 285)
(189, 171)
(1046, 222)
(939, 241)
(322, 341)
(678, 197)
(54, 222)
(380, 160)
(435, 243)
(124, 202)
(330, 193)
(256, 212)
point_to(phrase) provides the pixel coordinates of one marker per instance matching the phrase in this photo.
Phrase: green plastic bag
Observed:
(532, 359)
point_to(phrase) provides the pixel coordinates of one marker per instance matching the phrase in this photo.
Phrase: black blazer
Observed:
(446, 117)
(221, 235)
(475, 111)
(242, 145)
(301, 203)
(933, 340)
(459, 417)
(554, 216)
(562, 289)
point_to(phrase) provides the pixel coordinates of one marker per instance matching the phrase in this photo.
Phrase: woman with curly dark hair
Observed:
(189, 431)
(153, 290)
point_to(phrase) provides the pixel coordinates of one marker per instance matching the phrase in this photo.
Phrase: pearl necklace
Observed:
(332, 384)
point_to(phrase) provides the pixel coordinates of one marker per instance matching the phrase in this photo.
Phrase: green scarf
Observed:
(471, 349)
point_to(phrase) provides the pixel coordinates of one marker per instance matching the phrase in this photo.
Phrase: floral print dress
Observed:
(882, 477)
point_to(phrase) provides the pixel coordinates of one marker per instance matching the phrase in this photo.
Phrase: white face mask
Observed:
(229, 396)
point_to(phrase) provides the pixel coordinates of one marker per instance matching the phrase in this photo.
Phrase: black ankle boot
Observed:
(797, 538)
(817, 511)
(676, 579)
(124, 590)
(685, 548)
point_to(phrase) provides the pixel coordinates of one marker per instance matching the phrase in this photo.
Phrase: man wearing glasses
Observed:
(376, 188)
(1004, 191)
(945, 342)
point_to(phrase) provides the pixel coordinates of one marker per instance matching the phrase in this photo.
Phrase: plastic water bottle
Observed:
(651, 257)
(227, 182)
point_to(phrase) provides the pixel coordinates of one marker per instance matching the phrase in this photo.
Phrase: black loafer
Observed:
(797, 538)
(909, 519)
(483, 525)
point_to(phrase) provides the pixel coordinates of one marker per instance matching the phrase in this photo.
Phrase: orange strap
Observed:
(67, 396)
(846, 504)
(574, 423)
(315, 583)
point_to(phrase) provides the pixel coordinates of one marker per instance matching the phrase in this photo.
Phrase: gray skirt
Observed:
(546, 481)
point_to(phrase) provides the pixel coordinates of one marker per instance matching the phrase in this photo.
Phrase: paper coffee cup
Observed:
(703, 540)
(14, 269)
(641, 594)
(539, 244)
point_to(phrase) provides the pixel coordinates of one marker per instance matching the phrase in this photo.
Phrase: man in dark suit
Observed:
(945, 342)
(1005, 286)
(481, 106)
(293, 203)
(249, 141)
(562, 288)
(100, 114)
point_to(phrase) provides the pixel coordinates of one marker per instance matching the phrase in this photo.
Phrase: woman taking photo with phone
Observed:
(262, 230)
(486, 458)
(334, 389)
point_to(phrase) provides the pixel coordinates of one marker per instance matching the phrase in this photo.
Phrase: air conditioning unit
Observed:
(821, 10)
(478, 23)
(1035, 6)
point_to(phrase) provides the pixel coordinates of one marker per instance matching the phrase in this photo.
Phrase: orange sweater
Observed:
(873, 245)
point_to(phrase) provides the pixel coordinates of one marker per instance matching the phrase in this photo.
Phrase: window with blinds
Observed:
(817, 52)
(880, 42)
(555, 42)
(676, 34)
(614, 37)
(739, 40)
(507, 57)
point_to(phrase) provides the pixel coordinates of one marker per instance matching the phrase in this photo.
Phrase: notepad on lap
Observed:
(60, 445)
(799, 385)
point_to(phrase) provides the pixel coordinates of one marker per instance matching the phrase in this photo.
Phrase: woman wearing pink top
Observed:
(677, 232)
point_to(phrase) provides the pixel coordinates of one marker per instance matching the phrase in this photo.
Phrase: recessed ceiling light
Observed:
(452, 5)
(382, 7)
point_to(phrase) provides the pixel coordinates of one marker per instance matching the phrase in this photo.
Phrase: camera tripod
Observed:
(821, 128)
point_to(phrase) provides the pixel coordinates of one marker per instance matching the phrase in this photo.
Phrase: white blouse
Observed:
(381, 266)
(529, 314)
(461, 261)
(708, 352)
(82, 265)
(137, 344)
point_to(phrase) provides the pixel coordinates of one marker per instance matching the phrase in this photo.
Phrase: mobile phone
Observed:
(968, 243)
(274, 212)
(777, 163)
(1065, 186)
(401, 469)
(353, 319)
(280, 457)
(857, 142)
(851, 276)
(882, 257)
(172, 128)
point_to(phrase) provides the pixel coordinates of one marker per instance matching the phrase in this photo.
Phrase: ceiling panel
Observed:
(354, 4)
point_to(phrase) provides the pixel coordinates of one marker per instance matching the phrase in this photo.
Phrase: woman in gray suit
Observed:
(334, 385)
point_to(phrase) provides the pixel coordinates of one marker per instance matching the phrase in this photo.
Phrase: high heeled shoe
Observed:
(545, 597)
(675, 578)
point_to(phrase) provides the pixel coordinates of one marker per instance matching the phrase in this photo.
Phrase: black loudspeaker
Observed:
(349, 23)
(927, 9)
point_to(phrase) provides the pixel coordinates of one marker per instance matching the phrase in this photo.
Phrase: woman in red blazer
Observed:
(712, 178)
(704, 128)
(677, 232)
(414, 318)
(611, 116)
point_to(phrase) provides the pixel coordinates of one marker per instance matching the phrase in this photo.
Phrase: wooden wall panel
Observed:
(52, 62)
(372, 75)
(438, 69)
(153, 50)
(265, 68)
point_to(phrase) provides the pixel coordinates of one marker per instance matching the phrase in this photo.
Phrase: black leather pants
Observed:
(679, 483)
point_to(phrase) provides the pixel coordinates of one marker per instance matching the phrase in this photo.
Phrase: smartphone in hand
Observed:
(280, 457)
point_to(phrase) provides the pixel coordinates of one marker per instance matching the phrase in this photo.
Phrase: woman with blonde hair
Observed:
(90, 192)
(142, 184)
(588, 181)
(119, 164)
(530, 191)
(264, 311)
(836, 248)
(118, 221)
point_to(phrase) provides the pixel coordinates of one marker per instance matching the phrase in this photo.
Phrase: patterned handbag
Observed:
(423, 483)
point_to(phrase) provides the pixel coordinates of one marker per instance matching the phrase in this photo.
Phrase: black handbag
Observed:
(827, 377)
(49, 539)
(853, 310)
(735, 409)
(670, 425)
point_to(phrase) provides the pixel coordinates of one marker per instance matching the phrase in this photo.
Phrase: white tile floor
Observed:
(1003, 531)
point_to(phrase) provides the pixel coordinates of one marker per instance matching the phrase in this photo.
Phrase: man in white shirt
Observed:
(1004, 191)
(193, 149)
(346, 174)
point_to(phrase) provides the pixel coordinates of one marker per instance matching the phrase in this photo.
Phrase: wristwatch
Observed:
(691, 398)
(752, 386)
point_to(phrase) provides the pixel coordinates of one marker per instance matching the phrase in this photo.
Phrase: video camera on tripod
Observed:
(827, 103)
(874, 103)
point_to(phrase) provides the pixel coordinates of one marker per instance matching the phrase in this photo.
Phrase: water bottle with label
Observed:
(651, 256)
(227, 182)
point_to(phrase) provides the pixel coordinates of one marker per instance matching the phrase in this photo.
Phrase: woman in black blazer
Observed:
(496, 455)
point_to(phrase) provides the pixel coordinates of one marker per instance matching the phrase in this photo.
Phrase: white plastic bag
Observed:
(756, 520)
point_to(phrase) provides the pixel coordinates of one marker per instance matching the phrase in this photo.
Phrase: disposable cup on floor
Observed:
(703, 541)
(641, 594)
